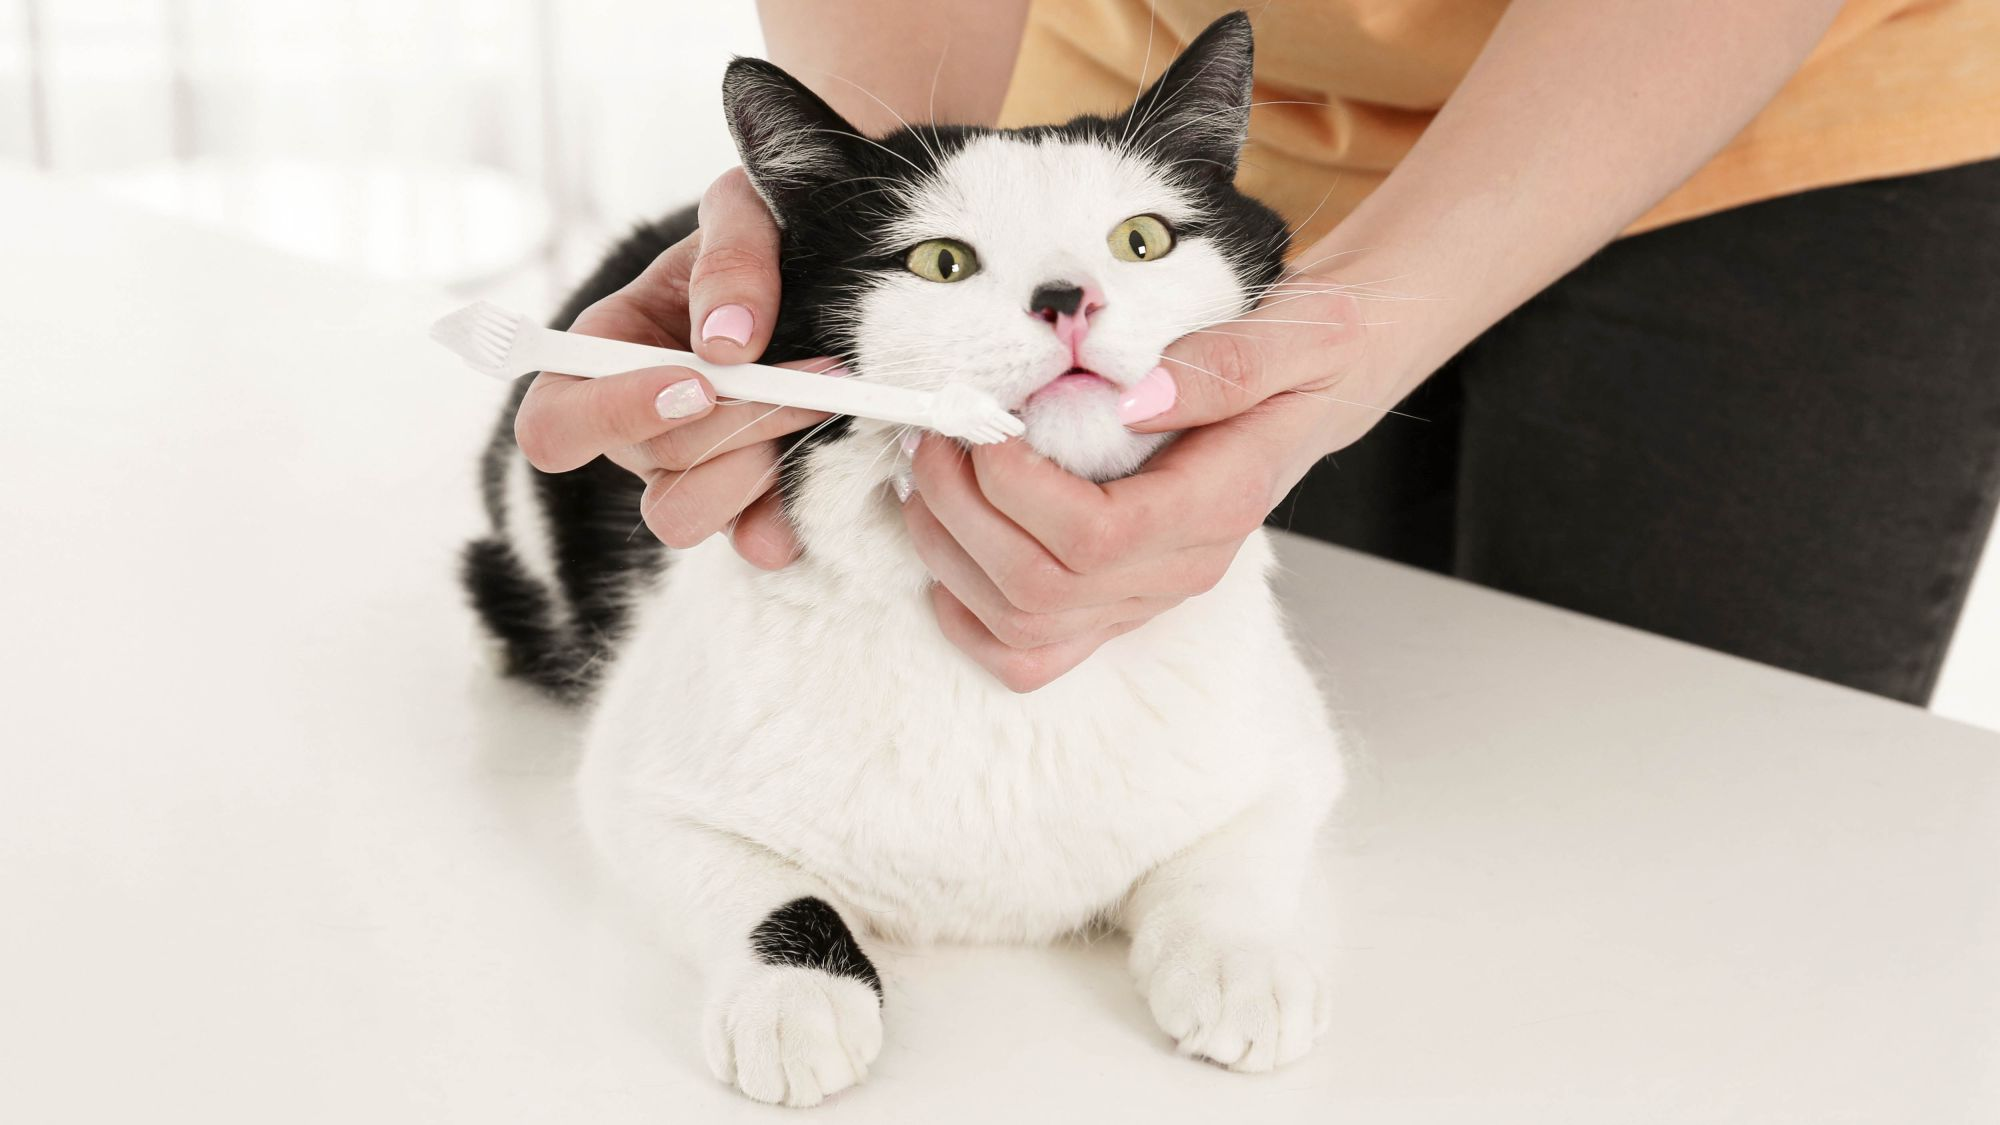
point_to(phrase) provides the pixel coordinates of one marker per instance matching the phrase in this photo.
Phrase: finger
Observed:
(1196, 492)
(1213, 485)
(728, 427)
(651, 308)
(682, 509)
(1029, 577)
(732, 424)
(763, 534)
(1009, 624)
(1021, 670)
(564, 421)
(1298, 337)
(733, 288)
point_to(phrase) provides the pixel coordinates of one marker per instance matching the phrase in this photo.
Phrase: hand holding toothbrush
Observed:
(716, 294)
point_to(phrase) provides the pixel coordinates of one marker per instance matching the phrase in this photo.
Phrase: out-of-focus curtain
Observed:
(442, 141)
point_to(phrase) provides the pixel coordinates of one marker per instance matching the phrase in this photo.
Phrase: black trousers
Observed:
(1773, 432)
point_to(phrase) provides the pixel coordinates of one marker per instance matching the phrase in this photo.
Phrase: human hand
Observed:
(1036, 567)
(706, 467)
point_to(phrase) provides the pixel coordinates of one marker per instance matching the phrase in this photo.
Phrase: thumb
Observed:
(1291, 341)
(733, 285)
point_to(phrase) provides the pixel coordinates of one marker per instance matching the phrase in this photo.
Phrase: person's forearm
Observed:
(1574, 121)
(891, 61)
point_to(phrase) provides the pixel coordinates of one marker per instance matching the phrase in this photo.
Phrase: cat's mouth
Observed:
(1073, 381)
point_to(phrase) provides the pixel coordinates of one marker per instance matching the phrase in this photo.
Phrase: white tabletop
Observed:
(274, 849)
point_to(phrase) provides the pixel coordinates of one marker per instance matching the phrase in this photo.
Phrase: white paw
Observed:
(1251, 1007)
(792, 1035)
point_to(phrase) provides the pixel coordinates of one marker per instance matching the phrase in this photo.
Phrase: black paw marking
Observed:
(808, 933)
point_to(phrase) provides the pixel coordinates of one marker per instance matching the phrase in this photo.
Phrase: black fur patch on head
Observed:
(808, 933)
(836, 191)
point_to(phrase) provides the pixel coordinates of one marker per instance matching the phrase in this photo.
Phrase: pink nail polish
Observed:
(911, 439)
(728, 322)
(1150, 397)
(684, 399)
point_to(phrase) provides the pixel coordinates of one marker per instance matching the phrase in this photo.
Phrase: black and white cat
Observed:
(796, 765)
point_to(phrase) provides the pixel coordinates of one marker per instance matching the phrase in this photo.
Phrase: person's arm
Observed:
(1573, 121)
(888, 62)
(710, 468)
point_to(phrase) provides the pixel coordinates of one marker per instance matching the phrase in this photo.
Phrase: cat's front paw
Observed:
(1247, 1005)
(792, 1035)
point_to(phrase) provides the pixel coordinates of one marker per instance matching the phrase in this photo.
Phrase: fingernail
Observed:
(728, 322)
(904, 486)
(911, 439)
(1148, 398)
(684, 399)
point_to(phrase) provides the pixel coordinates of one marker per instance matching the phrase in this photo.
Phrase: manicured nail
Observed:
(1148, 398)
(728, 322)
(911, 439)
(684, 399)
(904, 486)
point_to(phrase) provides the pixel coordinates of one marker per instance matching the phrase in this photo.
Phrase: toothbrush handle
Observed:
(595, 356)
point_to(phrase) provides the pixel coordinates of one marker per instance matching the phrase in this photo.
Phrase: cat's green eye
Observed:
(1141, 238)
(942, 259)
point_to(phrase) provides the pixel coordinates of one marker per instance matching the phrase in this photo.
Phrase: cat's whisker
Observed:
(1152, 25)
(859, 195)
(1153, 144)
(718, 444)
(918, 137)
(769, 476)
(936, 73)
(892, 445)
(872, 142)
(1311, 323)
(1295, 271)
(1302, 391)
(1302, 224)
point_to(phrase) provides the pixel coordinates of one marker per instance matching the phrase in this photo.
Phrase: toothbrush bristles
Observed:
(972, 415)
(482, 334)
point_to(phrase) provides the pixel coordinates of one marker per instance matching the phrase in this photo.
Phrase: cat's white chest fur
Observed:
(825, 718)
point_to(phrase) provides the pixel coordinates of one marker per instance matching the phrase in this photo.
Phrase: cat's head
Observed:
(1049, 266)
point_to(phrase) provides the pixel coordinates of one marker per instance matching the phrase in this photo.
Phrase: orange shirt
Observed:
(1897, 86)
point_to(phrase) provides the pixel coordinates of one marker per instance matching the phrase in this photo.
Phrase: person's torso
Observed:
(1345, 87)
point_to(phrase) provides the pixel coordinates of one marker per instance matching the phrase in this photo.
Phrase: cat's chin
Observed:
(1082, 433)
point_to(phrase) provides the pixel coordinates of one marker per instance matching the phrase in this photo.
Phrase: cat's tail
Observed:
(521, 614)
(514, 578)
(553, 580)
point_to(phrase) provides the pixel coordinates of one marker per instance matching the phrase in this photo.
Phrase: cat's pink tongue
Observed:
(1148, 398)
(1076, 381)
(1145, 399)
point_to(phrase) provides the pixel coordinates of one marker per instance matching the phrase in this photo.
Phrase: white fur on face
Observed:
(1039, 212)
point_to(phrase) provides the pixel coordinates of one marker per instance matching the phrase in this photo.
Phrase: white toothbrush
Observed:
(504, 345)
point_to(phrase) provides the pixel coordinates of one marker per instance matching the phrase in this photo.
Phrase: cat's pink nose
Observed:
(1067, 308)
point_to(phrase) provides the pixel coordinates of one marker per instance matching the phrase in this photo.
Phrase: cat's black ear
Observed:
(790, 140)
(1199, 110)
